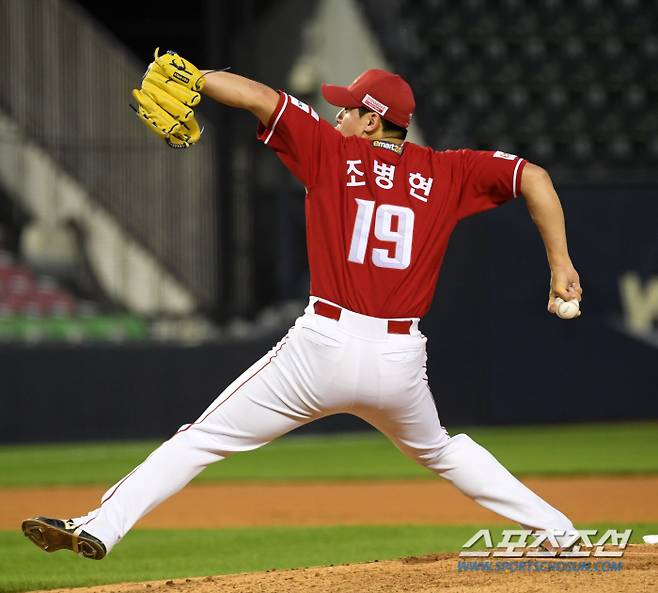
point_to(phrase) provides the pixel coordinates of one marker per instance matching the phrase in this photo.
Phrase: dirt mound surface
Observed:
(431, 574)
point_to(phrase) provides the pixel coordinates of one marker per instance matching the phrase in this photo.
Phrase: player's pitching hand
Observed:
(169, 92)
(565, 283)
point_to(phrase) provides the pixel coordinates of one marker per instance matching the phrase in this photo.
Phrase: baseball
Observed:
(567, 309)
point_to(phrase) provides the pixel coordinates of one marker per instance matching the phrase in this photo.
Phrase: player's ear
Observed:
(373, 121)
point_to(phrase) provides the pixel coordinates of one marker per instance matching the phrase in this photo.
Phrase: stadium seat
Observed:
(577, 75)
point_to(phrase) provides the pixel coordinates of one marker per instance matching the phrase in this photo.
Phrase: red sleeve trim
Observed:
(516, 176)
(264, 133)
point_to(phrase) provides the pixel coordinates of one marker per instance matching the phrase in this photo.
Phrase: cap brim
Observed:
(339, 96)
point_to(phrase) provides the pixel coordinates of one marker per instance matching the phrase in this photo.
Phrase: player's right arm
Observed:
(237, 91)
(492, 178)
(546, 211)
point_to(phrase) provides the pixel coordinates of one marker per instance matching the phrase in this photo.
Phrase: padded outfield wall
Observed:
(495, 355)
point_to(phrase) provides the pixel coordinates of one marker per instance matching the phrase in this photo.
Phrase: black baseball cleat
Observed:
(58, 534)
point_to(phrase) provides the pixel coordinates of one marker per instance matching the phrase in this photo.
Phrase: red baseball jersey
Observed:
(378, 219)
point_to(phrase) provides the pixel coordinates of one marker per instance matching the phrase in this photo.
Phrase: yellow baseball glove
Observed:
(166, 99)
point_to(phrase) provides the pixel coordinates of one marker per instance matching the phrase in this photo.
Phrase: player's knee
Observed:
(446, 452)
(429, 456)
(189, 436)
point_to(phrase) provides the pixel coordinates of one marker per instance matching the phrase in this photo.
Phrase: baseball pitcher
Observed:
(379, 215)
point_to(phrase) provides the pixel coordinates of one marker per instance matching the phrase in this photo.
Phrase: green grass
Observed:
(624, 448)
(164, 554)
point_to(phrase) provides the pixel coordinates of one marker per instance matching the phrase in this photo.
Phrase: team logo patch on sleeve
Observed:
(304, 107)
(499, 154)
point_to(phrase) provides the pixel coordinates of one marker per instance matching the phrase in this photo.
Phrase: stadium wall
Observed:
(495, 355)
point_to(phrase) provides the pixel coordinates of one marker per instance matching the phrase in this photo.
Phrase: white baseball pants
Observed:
(323, 367)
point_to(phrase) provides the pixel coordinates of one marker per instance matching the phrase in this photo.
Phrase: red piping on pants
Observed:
(202, 419)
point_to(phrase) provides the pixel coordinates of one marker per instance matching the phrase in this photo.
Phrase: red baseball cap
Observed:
(378, 90)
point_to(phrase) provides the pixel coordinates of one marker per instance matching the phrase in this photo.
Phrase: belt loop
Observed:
(399, 327)
(393, 326)
(327, 310)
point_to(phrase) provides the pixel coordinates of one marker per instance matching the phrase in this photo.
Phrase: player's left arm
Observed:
(546, 211)
(237, 91)
(171, 88)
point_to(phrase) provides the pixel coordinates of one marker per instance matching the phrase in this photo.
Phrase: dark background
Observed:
(495, 355)
(571, 86)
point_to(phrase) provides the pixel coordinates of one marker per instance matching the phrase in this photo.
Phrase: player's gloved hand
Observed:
(166, 99)
(565, 283)
(172, 67)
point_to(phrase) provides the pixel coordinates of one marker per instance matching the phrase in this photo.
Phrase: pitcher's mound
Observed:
(636, 572)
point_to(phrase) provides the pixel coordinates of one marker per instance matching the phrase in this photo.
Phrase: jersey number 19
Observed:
(384, 216)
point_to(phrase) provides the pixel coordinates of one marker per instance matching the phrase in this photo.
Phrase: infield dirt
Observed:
(430, 502)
